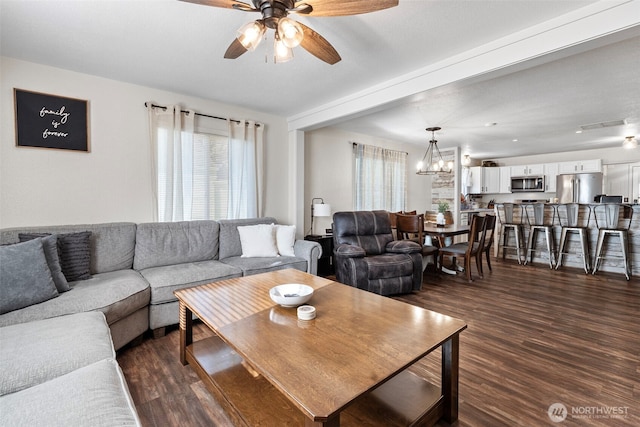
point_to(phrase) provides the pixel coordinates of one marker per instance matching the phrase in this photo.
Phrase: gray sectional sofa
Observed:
(62, 372)
(134, 269)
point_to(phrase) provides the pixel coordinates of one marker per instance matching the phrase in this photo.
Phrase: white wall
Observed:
(113, 181)
(329, 172)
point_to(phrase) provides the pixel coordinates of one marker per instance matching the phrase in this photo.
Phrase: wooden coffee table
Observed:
(346, 367)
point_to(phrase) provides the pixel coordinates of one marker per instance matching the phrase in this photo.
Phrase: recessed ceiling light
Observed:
(578, 131)
(515, 140)
(490, 124)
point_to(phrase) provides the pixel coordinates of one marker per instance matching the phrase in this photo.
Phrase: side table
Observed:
(325, 263)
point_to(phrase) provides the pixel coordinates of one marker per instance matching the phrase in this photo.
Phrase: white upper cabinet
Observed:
(484, 180)
(505, 179)
(492, 180)
(526, 170)
(581, 166)
(550, 173)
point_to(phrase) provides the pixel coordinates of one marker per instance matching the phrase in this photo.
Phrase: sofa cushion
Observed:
(258, 240)
(50, 247)
(25, 277)
(117, 294)
(371, 230)
(167, 243)
(230, 238)
(112, 244)
(165, 280)
(54, 347)
(387, 266)
(261, 265)
(95, 395)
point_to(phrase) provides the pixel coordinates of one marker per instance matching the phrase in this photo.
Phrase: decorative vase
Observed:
(440, 221)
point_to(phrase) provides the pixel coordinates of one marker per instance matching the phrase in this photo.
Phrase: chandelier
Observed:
(432, 161)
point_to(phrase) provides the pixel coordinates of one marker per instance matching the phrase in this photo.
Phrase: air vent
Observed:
(604, 124)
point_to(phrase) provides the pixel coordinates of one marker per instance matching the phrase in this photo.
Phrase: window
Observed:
(204, 176)
(210, 176)
(205, 171)
(380, 180)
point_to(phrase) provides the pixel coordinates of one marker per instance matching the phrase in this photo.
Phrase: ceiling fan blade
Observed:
(235, 49)
(318, 46)
(346, 7)
(228, 4)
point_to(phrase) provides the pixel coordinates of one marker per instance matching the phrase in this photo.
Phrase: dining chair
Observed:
(469, 249)
(615, 220)
(489, 230)
(392, 219)
(411, 227)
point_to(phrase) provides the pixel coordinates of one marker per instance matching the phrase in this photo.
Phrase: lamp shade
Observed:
(250, 34)
(321, 209)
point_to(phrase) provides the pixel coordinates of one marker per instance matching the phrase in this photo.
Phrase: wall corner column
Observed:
(295, 210)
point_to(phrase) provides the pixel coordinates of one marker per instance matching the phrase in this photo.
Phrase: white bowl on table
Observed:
(291, 294)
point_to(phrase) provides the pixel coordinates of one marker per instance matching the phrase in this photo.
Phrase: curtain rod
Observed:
(356, 143)
(197, 114)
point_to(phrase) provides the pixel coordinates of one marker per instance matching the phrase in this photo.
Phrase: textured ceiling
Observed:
(178, 46)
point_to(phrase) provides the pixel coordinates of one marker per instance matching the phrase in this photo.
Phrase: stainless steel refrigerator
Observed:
(579, 187)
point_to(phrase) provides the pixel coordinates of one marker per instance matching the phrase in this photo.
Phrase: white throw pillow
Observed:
(258, 241)
(285, 239)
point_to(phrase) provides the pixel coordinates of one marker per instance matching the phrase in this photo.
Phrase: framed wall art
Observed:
(50, 121)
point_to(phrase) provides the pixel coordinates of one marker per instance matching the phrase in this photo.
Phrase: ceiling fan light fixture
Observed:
(290, 32)
(630, 142)
(250, 34)
(281, 53)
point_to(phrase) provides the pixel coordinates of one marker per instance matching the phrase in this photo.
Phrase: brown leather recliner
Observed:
(367, 257)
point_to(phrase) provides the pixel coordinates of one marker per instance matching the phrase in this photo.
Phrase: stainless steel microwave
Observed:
(521, 184)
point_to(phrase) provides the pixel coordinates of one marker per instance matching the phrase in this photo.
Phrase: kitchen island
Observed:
(612, 245)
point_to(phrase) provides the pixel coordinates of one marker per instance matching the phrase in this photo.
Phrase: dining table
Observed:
(442, 233)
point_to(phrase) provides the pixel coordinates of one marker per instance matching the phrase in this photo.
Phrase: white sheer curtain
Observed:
(172, 159)
(199, 174)
(245, 169)
(380, 180)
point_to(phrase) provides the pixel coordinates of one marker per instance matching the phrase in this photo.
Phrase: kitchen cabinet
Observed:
(581, 166)
(505, 179)
(619, 180)
(526, 170)
(485, 180)
(550, 173)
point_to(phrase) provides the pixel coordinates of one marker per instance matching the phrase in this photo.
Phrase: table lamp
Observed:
(319, 209)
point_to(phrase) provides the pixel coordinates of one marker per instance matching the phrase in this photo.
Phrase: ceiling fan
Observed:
(288, 32)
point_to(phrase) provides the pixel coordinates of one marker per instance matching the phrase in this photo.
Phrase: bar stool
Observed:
(615, 220)
(507, 223)
(574, 218)
(541, 217)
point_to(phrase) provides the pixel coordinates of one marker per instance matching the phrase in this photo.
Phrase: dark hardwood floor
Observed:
(535, 337)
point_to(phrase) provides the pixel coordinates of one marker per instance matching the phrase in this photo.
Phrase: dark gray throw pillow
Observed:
(75, 255)
(74, 250)
(25, 277)
(50, 246)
